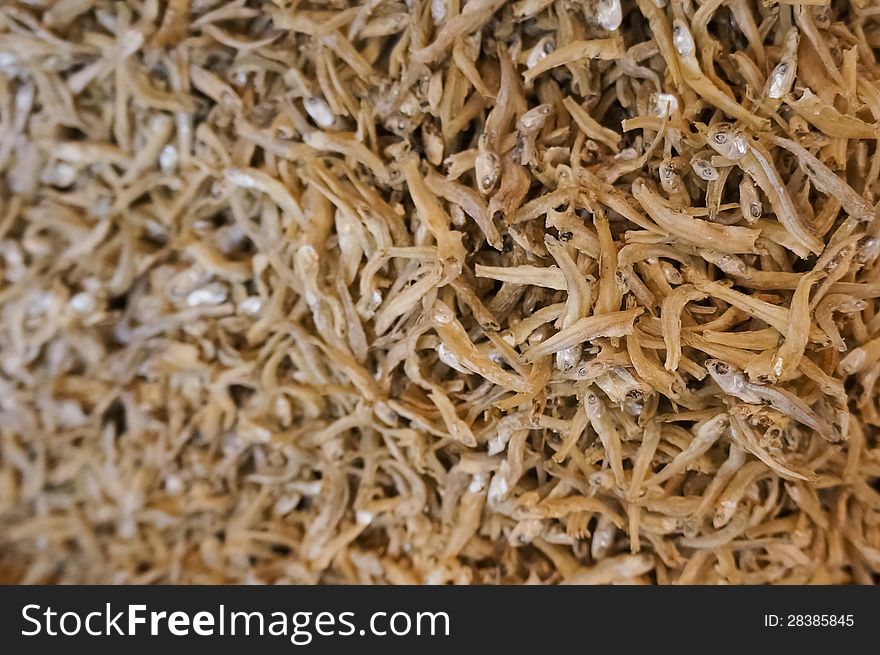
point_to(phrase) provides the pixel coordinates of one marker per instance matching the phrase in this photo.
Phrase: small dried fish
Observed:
(756, 161)
(828, 120)
(683, 41)
(734, 382)
(730, 239)
(706, 436)
(476, 292)
(574, 52)
(612, 324)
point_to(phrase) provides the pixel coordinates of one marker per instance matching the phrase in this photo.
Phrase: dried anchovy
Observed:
(447, 292)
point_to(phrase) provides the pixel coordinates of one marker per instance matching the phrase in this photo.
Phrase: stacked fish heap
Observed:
(466, 291)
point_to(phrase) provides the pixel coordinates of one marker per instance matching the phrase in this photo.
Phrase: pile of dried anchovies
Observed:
(439, 291)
